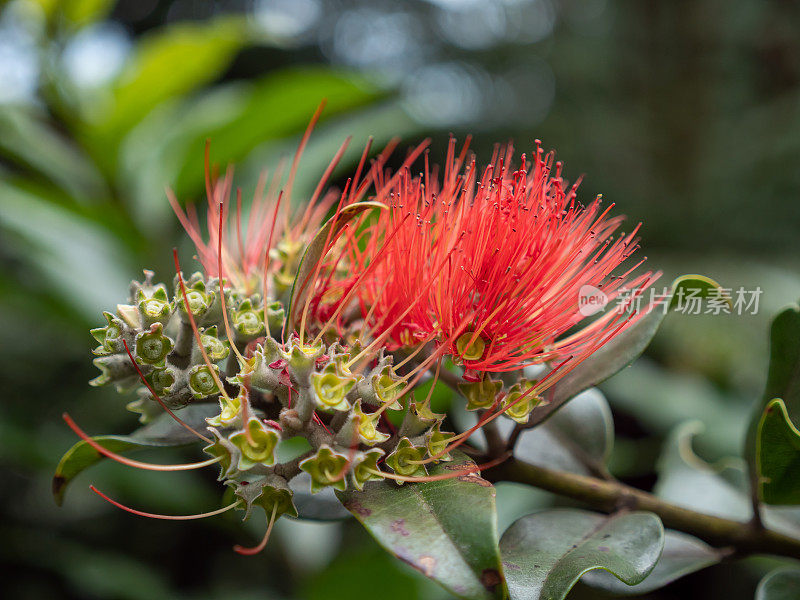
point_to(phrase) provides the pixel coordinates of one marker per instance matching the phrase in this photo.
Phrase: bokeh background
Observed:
(686, 113)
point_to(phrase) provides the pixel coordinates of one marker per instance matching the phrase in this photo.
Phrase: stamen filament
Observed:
(165, 517)
(263, 543)
(130, 462)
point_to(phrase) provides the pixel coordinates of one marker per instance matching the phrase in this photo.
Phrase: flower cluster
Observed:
(323, 333)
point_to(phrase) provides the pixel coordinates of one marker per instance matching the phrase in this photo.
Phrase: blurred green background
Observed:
(684, 113)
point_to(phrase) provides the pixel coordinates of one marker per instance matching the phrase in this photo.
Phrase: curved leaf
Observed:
(313, 254)
(162, 432)
(781, 584)
(682, 555)
(445, 529)
(628, 345)
(578, 438)
(783, 378)
(544, 554)
(778, 456)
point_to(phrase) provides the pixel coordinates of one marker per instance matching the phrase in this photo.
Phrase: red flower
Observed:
(491, 266)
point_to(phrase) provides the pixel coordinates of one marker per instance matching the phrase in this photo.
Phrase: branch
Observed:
(611, 496)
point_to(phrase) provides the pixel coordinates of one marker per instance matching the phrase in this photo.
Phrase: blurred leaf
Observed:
(686, 480)
(783, 379)
(82, 261)
(661, 400)
(27, 138)
(578, 438)
(721, 489)
(279, 104)
(167, 147)
(623, 349)
(163, 431)
(173, 61)
(83, 12)
(322, 506)
(778, 456)
(347, 578)
(445, 529)
(682, 555)
(314, 253)
(546, 553)
(782, 584)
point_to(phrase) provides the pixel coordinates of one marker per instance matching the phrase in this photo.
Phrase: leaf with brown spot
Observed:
(445, 529)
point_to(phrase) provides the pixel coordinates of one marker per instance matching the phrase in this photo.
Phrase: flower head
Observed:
(491, 264)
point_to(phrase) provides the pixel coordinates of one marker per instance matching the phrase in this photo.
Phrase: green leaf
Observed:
(162, 432)
(720, 489)
(313, 254)
(90, 274)
(578, 438)
(27, 138)
(778, 456)
(781, 584)
(783, 378)
(546, 553)
(83, 12)
(170, 62)
(445, 529)
(628, 345)
(682, 555)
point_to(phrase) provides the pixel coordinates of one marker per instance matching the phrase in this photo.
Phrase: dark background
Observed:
(686, 114)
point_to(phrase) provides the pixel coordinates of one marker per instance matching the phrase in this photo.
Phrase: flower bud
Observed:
(201, 381)
(152, 347)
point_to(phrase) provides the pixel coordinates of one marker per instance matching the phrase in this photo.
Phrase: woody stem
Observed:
(610, 496)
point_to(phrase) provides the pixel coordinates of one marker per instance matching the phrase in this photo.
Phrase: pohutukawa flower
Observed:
(491, 264)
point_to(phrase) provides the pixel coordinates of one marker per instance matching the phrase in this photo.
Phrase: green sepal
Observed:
(222, 447)
(418, 419)
(480, 394)
(364, 463)
(331, 389)
(301, 359)
(265, 491)
(325, 468)
(116, 368)
(262, 449)
(437, 440)
(367, 425)
(200, 297)
(229, 411)
(153, 347)
(398, 460)
(520, 410)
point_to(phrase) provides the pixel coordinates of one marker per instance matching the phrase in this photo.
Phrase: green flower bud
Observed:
(216, 349)
(326, 468)
(152, 347)
(364, 466)
(402, 460)
(116, 368)
(110, 336)
(200, 300)
(163, 379)
(201, 381)
(155, 307)
(247, 321)
(516, 409)
(259, 449)
(480, 394)
(301, 359)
